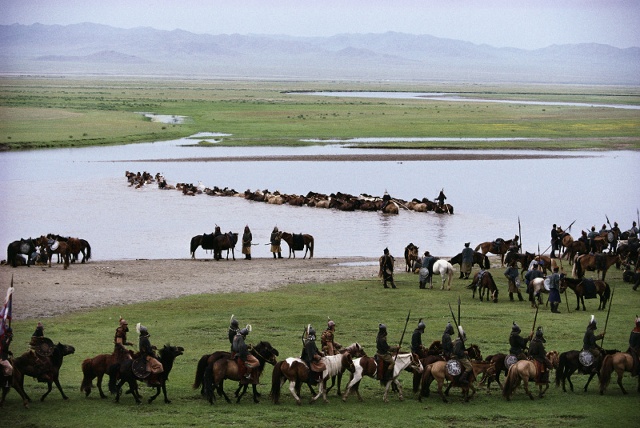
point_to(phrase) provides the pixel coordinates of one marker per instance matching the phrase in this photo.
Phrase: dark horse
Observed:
(52, 246)
(598, 262)
(44, 369)
(205, 241)
(23, 246)
(76, 246)
(226, 241)
(569, 363)
(524, 259)
(6, 382)
(124, 371)
(298, 242)
(586, 287)
(478, 259)
(226, 367)
(97, 367)
(483, 281)
(499, 246)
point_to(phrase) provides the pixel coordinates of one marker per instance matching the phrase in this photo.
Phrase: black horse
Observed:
(205, 241)
(124, 372)
(23, 246)
(569, 363)
(478, 259)
(226, 241)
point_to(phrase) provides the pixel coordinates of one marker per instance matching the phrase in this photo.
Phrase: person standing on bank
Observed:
(276, 239)
(247, 237)
(467, 261)
(554, 290)
(555, 241)
(386, 269)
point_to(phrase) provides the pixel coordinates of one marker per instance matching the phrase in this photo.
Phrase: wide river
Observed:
(83, 192)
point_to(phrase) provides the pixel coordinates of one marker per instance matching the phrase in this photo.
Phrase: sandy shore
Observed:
(41, 291)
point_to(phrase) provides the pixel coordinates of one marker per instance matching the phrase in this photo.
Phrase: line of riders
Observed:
(340, 201)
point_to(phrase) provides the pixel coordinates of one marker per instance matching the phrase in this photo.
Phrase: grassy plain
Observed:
(199, 323)
(75, 112)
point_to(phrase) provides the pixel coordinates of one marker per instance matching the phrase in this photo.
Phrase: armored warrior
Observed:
(312, 356)
(241, 351)
(538, 353)
(589, 342)
(447, 342)
(416, 339)
(327, 340)
(147, 351)
(517, 343)
(460, 354)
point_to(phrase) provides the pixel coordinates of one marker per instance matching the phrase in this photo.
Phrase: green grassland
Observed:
(75, 112)
(199, 323)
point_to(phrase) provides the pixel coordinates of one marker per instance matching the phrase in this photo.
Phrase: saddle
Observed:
(298, 242)
(542, 374)
(589, 289)
(497, 245)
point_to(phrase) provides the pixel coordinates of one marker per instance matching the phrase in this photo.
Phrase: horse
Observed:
(296, 372)
(335, 365)
(367, 366)
(483, 281)
(438, 372)
(355, 350)
(524, 259)
(52, 246)
(298, 242)
(499, 246)
(6, 382)
(44, 369)
(205, 241)
(569, 363)
(124, 370)
(226, 241)
(586, 287)
(598, 262)
(76, 246)
(410, 256)
(23, 246)
(525, 370)
(97, 367)
(391, 207)
(499, 367)
(434, 353)
(478, 258)
(227, 368)
(619, 362)
(445, 270)
(536, 288)
(572, 249)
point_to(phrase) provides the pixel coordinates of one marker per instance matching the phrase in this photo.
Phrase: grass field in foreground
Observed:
(199, 324)
(39, 113)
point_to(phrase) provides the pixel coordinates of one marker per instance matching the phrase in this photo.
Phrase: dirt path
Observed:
(41, 291)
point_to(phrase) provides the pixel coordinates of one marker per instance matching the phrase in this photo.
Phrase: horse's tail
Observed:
(607, 292)
(88, 376)
(311, 247)
(577, 267)
(112, 371)
(209, 387)
(427, 378)
(195, 243)
(605, 372)
(88, 249)
(11, 255)
(510, 383)
(487, 264)
(202, 366)
(276, 379)
(477, 247)
(562, 362)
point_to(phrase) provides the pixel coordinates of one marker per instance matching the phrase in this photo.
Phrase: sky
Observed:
(526, 24)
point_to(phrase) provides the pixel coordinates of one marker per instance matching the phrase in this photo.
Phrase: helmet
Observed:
(311, 331)
(421, 325)
(382, 327)
(449, 328)
(142, 330)
(592, 323)
(331, 324)
(234, 323)
(123, 322)
(637, 321)
(244, 331)
(386, 251)
(515, 328)
(275, 229)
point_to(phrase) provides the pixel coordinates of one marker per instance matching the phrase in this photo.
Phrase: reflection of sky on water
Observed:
(83, 192)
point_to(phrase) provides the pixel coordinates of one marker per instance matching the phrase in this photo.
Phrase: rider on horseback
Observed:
(517, 343)
(634, 347)
(120, 338)
(538, 353)
(234, 328)
(147, 351)
(384, 354)
(312, 356)
(589, 342)
(416, 340)
(329, 345)
(241, 351)
(447, 342)
(460, 354)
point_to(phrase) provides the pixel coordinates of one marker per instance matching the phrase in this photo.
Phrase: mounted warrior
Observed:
(312, 356)
(589, 345)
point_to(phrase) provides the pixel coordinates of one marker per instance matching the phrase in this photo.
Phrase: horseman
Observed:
(327, 340)
(513, 277)
(634, 347)
(386, 198)
(590, 339)
(5, 364)
(447, 342)
(538, 353)
(386, 269)
(147, 351)
(441, 197)
(416, 340)
(242, 354)
(234, 328)
(276, 239)
(40, 345)
(247, 237)
(554, 290)
(615, 231)
(120, 338)
(384, 354)
(592, 240)
(467, 261)
(312, 356)
(460, 354)
(426, 271)
(515, 244)
(533, 273)
(518, 343)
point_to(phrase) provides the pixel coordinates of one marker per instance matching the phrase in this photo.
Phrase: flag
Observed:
(5, 313)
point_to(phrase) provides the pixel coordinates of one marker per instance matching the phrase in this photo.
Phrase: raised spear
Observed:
(459, 318)
(402, 337)
(456, 323)
(608, 312)
(520, 234)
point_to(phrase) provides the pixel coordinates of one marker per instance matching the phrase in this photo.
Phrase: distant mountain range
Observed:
(98, 49)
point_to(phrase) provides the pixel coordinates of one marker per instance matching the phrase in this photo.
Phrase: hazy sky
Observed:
(525, 24)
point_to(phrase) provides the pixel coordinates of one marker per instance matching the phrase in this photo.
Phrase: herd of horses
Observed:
(42, 249)
(339, 201)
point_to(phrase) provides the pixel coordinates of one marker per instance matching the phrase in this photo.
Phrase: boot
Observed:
(520, 297)
(554, 308)
(274, 255)
(464, 378)
(511, 297)
(279, 255)
(461, 275)
(248, 256)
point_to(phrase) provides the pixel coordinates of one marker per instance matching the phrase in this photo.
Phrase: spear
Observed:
(402, 337)
(608, 312)
(608, 221)
(569, 228)
(459, 319)
(535, 318)
(456, 323)
(520, 233)
(10, 300)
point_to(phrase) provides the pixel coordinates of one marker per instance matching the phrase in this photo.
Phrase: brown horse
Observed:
(619, 362)
(478, 259)
(227, 368)
(524, 371)
(51, 247)
(298, 242)
(598, 262)
(438, 372)
(44, 369)
(76, 246)
(499, 367)
(296, 372)
(97, 367)
(574, 248)
(583, 286)
(499, 246)
(569, 363)
(410, 256)
(226, 241)
(483, 281)
(6, 383)
(524, 259)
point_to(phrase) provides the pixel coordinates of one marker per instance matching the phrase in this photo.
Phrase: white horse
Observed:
(335, 365)
(443, 268)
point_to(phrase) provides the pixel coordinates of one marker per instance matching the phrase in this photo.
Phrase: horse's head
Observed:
(265, 351)
(65, 349)
(416, 364)
(171, 352)
(554, 357)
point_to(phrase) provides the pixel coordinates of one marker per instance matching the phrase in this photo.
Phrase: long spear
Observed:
(569, 228)
(608, 312)
(607, 217)
(402, 337)
(520, 233)
(456, 323)
(459, 318)
(10, 300)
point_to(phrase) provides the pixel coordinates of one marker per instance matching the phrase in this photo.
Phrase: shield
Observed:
(454, 368)
(139, 368)
(586, 358)
(547, 283)
(44, 347)
(510, 360)
(24, 248)
(611, 237)
(53, 244)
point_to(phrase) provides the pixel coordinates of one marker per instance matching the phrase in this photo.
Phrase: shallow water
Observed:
(83, 192)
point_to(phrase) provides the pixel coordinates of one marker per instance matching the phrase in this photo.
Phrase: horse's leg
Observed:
(292, 388)
(525, 385)
(153, 397)
(99, 385)
(589, 380)
(582, 300)
(568, 378)
(399, 385)
(49, 387)
(386, 391)
(440, 384)
(620, 374)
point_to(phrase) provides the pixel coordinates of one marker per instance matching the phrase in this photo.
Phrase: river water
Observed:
(83, 192)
